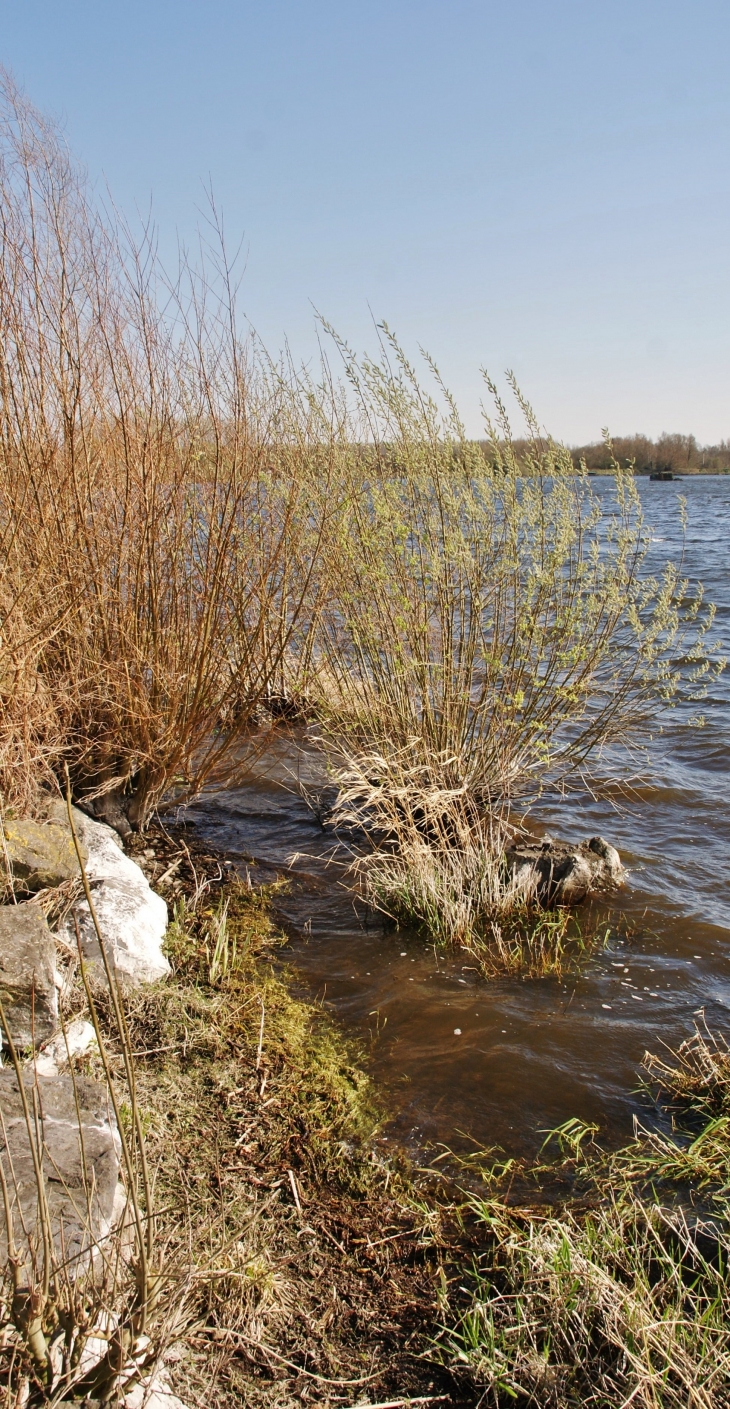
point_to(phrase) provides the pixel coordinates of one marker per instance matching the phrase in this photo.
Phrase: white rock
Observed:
(132, 918)
(80, 1036)
(82, 1152)
(149, 1391)
(153, 1392)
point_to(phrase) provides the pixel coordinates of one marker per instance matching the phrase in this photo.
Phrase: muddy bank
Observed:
(296, 1262)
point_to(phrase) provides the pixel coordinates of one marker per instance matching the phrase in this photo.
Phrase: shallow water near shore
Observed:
(468, 1062)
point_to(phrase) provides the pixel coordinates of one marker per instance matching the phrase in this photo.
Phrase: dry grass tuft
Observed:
(697, 1074)
(436, 862)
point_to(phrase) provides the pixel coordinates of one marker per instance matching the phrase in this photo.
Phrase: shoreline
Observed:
(347, 1267)
(428, 1277)
(301, 1264)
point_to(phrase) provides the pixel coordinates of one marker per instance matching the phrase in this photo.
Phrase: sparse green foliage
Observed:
(618, 1306)
(491, 631)
(490, 627)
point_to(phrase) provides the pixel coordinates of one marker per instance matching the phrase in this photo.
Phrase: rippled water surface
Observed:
(530, 1054)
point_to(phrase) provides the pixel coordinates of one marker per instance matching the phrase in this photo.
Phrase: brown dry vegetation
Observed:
(150, 510)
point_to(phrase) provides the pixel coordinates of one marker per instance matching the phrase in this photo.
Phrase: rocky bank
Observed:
(53, 1114)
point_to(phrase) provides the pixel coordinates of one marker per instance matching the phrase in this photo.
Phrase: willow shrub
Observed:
(491, 630)
(151, 500)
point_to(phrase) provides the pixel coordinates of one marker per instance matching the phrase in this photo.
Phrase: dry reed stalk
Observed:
(150, 489)
(698, 1073)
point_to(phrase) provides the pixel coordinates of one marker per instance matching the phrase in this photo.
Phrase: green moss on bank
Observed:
(321, 1276)
(240, 1041)
(317, 1273)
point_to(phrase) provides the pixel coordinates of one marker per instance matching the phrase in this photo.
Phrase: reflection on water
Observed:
(498, 1062)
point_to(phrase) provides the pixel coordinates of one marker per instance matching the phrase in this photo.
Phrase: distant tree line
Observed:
(679, 453)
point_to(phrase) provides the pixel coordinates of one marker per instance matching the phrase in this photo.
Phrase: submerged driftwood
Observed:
(564, 874)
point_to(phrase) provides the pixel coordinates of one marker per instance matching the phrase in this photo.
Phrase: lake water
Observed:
(530, 1053)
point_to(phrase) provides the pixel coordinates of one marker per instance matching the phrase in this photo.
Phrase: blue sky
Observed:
(535, 184)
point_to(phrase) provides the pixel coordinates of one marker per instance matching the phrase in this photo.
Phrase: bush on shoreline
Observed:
(152, 506)
(195, 540)
(489, 634)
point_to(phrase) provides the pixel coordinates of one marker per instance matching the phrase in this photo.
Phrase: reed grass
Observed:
(621, 1305)
(697, 1075)
(620, 1297)
(435, 863)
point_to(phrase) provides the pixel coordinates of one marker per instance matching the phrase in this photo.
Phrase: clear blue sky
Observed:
(536, 184)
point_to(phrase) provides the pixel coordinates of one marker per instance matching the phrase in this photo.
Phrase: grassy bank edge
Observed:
(319, 1267)
(355, 1286)
(295, 1262)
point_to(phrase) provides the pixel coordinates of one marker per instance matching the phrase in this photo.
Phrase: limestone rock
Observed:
(563, 874)
(28, 974)
(41, 854)
(80, 1165)
(132, 918)
(153, 1392)
(78, 1038)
